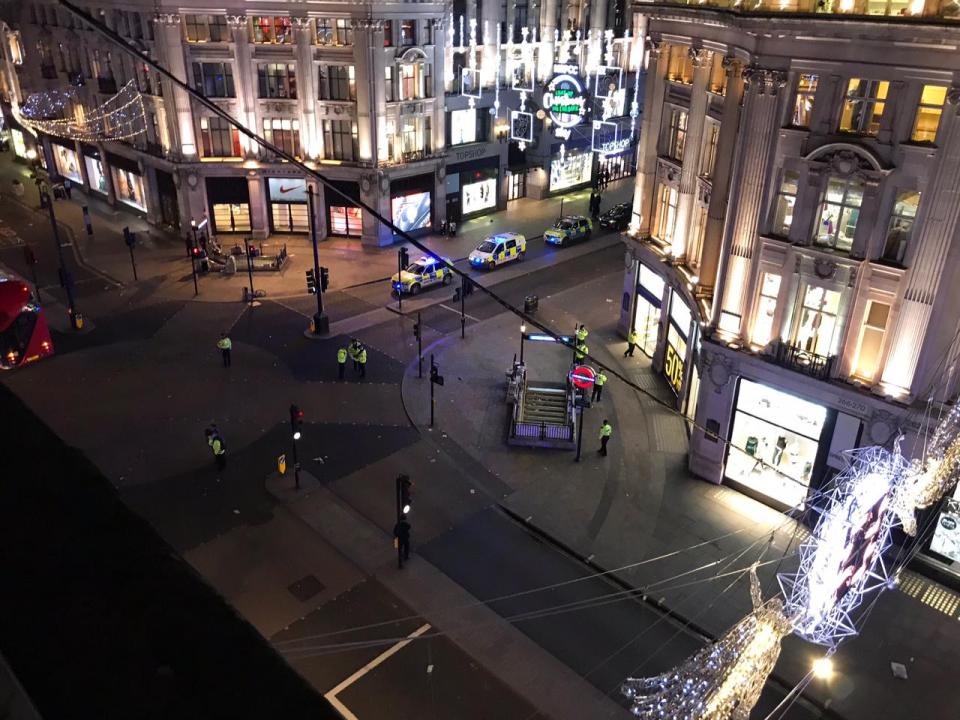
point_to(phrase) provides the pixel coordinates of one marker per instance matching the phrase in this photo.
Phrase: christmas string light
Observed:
(121, 117)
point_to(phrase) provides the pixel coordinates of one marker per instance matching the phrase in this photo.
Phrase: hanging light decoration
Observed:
(59, 113)
(723, 681)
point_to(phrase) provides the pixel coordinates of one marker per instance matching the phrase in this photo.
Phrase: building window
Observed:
(818, 321)
(718, 75)
(463, 126)
(708, 157)
(803, 103)
(284, 133)
(408, 82)
(928, 114)
(888, 7)
(346, 221)
(521, 13)
(340, 140)
(427, 71)
(676, 134)
(272, 29)
(666, 215)
(863, 106)
(218, 138)
(277, 80)
(766, 308)
(206, 28)
(428, 32)
(839, 212)
(388, 87)
(901, 226)
(337, 82)
(679, 65)
(786, 202)
(337, 32)
(871, 340)
(408, 32)
(388, 33)
(213, 79)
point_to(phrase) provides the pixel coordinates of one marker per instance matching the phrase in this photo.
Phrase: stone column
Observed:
(649, 139)
(306, 87)
(598, 17)
(258, 206)
(548, 27)
(869, 208)
(490, 27)
(722, 172)
(169, 45)
(749, 183)
(932, 240)
(244, 80)
(690, 171)
(108, 173)
(371, 102)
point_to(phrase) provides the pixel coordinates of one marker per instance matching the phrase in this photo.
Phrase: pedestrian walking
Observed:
(341, 361)
(632, 339)
(354, 351)
(67, 188)
(598, 382)
(362, 359)
(606, 430)
(217, 445)
(401, 533)
(225, 347)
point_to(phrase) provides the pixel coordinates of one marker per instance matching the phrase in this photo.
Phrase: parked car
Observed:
(617, 217)
(569, 229)
(499, 249)
(422, 273)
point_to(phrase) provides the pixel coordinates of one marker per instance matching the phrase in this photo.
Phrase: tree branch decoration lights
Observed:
(723, 681)
(59, 113)
(843, 559)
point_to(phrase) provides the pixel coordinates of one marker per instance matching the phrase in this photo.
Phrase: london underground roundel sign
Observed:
(583, 376)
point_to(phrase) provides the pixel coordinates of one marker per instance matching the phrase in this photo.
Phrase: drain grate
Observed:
(306, 587)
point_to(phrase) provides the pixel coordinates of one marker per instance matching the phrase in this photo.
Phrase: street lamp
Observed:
(523, 332)
(66, 279)
(823, 668)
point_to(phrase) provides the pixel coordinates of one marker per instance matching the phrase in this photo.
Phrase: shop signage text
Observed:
(565, 98)
(473, 153)
(673, 368)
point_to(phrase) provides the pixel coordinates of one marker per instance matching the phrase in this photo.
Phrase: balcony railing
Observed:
(808, 363)
(945, 9)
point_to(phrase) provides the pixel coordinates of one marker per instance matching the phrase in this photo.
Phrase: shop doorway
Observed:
(516, 184)
(646, 319)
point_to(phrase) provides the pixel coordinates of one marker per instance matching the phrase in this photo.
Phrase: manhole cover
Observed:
(305, 588)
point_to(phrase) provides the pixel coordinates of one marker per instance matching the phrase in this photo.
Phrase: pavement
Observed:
(536, 584)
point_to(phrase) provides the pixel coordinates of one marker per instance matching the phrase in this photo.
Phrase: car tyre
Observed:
(414, 289)
(521, 255)
(588, 234)
(448, 278)
(491, 264)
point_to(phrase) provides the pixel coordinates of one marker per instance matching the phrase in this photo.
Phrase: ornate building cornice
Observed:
(764, 80)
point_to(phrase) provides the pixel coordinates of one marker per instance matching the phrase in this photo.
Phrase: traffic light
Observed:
(435, 376)
(128, 237)
(404, 258)
(311, 282)
(416, 330)
(324, 278)
(195, 251)
(406, 496)
(296, 419)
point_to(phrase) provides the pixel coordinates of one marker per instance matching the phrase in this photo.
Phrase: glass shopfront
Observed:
(946, 535)
(678, 332)
(344, 216)
(67, 161)
(229, 200)
(95, 174)
(774, 443)
(574, 168)
(646, 320)
(127, 181)
(289, 211)
(411, 202)
(480, 193)
(19, 145)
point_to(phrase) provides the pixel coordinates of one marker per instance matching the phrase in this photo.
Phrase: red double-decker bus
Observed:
(24, 334)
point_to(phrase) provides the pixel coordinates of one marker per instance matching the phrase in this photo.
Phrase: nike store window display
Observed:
(289, 212)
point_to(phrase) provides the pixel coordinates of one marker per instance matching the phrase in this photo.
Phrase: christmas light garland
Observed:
(121, 117)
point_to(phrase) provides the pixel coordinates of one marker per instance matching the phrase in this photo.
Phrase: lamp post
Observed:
(321, 323)
(66, 279)
(523, 333)
(190, 254)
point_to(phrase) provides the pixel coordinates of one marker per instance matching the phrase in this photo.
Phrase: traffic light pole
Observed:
(65, 278)
(579, 433)
(431, 389)
(400, 275)
(247, 241)
(321, 324)
(399, 518)
(463, 314)
(193, 260)
(419, 348)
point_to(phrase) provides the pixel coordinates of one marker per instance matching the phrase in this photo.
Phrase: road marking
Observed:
(379, 659)
(457, 312)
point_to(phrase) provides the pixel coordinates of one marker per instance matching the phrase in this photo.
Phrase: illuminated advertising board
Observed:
(480, 195)
(565, 99)
(411, 212)
(287, 190)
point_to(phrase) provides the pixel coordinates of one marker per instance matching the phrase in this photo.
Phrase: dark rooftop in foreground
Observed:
(99, 618)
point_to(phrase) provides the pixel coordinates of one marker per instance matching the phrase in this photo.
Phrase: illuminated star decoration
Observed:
(58, 113)
(723, 681)
(843, 559)
(929, 480)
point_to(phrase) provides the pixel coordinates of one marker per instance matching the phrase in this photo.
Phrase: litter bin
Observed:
(531, 303)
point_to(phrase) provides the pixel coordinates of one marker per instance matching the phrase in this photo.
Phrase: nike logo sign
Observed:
(289, 189)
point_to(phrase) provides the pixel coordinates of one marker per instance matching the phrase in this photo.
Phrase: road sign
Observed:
(583, 376)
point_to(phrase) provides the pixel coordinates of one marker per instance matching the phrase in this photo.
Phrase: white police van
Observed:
(499, 249)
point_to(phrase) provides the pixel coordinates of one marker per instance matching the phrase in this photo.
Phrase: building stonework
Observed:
(368, 95)
(796, 230)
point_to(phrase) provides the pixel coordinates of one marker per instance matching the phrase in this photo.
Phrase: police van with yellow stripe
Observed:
(499, 249)
(422, 273)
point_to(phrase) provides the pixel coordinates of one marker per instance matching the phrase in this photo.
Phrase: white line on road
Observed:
(457, 312)
(382, 657)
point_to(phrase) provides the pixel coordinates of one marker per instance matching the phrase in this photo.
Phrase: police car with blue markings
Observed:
(569, 229)
(422, 273)
(499, 249)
